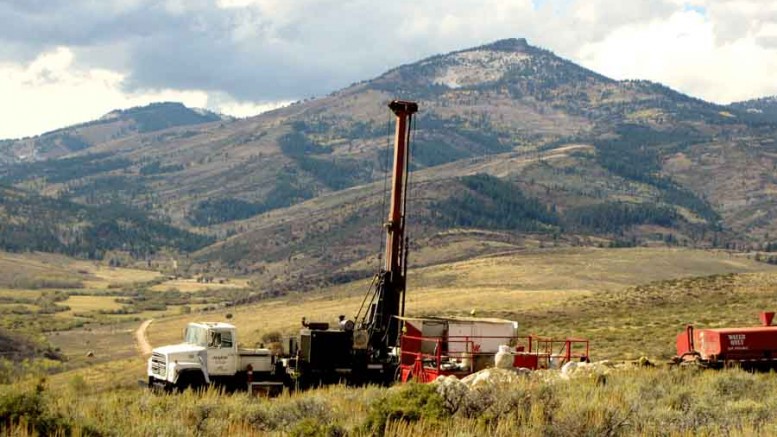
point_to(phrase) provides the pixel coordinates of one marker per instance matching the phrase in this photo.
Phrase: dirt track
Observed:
(142, 340)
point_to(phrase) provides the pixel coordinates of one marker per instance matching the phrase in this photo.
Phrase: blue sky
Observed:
(695, 8)
(67, 61)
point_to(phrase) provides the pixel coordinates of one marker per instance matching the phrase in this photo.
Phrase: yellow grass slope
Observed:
(44, 270)
(540, 288)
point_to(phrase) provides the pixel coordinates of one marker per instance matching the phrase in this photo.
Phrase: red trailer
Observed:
(435, 346)
(751, 348)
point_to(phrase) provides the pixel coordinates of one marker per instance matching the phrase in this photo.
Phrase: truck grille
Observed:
(158, 364)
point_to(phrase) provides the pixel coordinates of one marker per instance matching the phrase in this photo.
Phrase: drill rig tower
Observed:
(383, 325)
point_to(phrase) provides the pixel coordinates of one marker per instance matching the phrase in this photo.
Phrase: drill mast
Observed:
(390, 290)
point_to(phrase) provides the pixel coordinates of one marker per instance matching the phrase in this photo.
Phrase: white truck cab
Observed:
(208, 354)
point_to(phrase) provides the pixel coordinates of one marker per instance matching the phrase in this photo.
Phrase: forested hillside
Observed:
(510, 138)
(29, 222)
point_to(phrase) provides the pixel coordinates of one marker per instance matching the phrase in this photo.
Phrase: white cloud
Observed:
(683, 52)
(225, 104)
(237, 55)
(51, 91)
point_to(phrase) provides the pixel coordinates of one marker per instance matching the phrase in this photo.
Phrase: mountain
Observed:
(113, 125)
(764, 108)
(31, 222)
(513, 147)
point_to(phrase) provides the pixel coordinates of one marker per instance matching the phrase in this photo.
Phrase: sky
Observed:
(68, 61)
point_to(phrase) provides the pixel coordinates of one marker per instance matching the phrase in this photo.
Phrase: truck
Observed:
(359, 350)
(209, 354)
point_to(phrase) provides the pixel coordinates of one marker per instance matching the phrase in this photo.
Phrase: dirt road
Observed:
(142, 340)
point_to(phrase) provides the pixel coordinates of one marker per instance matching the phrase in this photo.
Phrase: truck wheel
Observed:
(191, 381)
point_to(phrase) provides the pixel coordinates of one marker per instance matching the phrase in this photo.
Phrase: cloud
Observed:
(52, 91)
(276, 49)
(737, 19)
(254, 52)
(684, 51)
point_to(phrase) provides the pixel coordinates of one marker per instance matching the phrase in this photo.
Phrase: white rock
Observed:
(504, 358)
(569, 368)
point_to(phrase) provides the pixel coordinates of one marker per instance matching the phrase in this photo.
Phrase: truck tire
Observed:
(190, 380)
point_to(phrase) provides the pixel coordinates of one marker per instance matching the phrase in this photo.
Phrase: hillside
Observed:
(16, 348)
(31, 222)
(764, 109)
(537, 287)
(113, 125)
(512, 146)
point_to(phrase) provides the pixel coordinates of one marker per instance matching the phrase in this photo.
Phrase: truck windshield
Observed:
(196, 335)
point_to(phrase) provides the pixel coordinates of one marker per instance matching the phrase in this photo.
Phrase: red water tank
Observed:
(734, 344)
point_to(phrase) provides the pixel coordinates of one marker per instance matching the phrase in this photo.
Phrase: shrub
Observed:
(735, 386)
(29, 407)
(272, 337)
(43, 282)
(285, 416)
(409, 403)
(78, 384)
(313, 428)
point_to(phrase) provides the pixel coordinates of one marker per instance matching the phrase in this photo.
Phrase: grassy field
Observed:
(47, 294)
(649, 402)
(629, 302)
(11, 293)
(561, 292)
(33, 270)
(558, 292)
(103, 277)
(191, 285)
(86, 304)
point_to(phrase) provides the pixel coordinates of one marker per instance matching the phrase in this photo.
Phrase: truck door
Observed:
(222, 356)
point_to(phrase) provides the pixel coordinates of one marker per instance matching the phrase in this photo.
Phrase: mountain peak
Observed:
(472, 67)
(508, 45)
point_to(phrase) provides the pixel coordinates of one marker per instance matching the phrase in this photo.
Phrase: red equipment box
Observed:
(441, 346)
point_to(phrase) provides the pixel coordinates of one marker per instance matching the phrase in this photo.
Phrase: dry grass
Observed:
(192, 286)
(14, 293)
(105, 375)
(649, 402)
(532, 286)
(17, 306)
(41, 267)
(89, 304)
(585, 292)
(103, 277)
(14, 266)
(112, 343)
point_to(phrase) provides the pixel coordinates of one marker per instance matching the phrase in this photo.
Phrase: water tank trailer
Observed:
(753, 348)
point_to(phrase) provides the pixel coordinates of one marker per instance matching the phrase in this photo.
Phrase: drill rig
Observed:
(367, 348)
(351, 352)
(388, 299)
(364, 351)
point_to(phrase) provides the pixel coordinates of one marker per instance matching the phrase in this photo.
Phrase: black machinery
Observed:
(362, 352)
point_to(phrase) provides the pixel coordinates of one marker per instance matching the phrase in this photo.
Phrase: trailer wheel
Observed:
(732, 364)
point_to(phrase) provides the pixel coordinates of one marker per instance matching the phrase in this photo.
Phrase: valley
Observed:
(594, 159)
(540, 191)
(630, 302)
